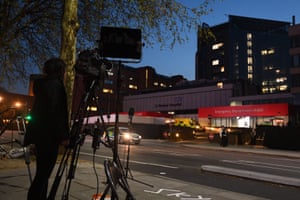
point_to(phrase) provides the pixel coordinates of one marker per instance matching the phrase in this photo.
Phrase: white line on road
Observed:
(252, 175)
(133, 161)
(265, 165)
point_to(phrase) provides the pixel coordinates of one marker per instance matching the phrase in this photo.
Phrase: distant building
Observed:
(254, 50)
(294, 34)
(132, 81)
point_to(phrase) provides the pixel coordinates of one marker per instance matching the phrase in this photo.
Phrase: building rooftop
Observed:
(256, 24)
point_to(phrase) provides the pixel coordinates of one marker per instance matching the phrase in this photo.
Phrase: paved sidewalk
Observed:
(15, 182)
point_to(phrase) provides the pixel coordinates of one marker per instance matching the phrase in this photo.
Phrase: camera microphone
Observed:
(96, 136)
(96, 139)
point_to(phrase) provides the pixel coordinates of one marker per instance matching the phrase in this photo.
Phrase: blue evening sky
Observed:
(181, 59)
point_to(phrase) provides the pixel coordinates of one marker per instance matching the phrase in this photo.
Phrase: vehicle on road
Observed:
(126, 136)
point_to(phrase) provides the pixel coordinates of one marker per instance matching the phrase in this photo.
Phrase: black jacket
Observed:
(49, 124)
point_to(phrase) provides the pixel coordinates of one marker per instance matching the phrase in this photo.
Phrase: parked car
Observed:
(125, 135)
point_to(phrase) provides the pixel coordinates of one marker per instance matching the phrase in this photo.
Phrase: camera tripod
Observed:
(113, 168)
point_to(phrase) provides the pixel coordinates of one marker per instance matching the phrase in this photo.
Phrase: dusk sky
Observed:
(181, 59)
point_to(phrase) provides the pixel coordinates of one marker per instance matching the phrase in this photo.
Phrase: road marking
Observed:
(252, 175)
(176, 193)
(265, 165)
(133, 161)
(172, 153)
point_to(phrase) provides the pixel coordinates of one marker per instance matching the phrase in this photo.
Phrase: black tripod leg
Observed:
(60, 171)
(114, 195)
(71, 173)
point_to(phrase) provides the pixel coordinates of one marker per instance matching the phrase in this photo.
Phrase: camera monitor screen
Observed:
(120, 43)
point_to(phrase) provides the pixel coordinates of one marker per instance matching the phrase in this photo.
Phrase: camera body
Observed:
(89, 62)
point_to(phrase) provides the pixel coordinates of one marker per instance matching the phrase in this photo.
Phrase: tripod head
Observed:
(89, 62)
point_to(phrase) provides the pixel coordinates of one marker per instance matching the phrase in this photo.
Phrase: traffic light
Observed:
(28, 117)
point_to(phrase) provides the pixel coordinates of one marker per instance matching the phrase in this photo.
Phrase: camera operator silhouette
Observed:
(49, 127)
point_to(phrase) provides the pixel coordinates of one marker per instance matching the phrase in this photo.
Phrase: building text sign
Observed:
(258, 110)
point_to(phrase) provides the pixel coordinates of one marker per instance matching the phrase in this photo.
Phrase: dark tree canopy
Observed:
(31, 30)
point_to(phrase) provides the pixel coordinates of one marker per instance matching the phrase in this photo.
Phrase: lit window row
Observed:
(249, 58)
(274, 89)
(267, 51)
(281, 79)
(160, 84)
(268, 67)
(269, 90)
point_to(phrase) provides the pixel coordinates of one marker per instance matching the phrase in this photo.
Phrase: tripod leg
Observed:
(71, 173)
(60, 171)
(27, 161)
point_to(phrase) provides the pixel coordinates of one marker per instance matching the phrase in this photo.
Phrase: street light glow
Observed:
(18, 104)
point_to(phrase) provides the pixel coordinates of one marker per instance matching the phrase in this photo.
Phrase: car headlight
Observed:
(127, 136)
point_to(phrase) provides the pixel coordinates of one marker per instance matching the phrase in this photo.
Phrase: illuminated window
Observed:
(249, 36)
(272, 89)
(220, 84)
(283, 87)
(249, 43)
(250, 68)
(268, 67)
(155, 83)
(92, 108)
(107, 91)
(267, 51)
(271, 51)
(265, 90)
(215, 62)
(249, 51)
(131, 86)
(250, 76)
(217, 46)
(281, 79)
(163, 85)
(222, 69)
(264, 52)
(250, 60)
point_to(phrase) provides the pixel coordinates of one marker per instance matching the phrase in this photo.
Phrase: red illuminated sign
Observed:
(257, 110)
(149, 114)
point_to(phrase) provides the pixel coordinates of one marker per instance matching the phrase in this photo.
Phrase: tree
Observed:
(30, 29)
(70, 26)
(28, 35)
